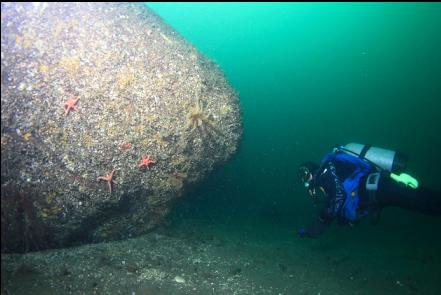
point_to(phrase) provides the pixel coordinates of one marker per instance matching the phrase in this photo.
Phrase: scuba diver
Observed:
(359, 180)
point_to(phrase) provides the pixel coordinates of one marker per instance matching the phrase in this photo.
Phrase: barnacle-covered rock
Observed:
(88, 88)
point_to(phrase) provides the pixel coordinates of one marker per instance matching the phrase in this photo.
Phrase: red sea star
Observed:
(145, 162)
(108, 178)
(70, 104)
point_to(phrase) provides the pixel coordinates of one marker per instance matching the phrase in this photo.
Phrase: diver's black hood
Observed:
(311, 166)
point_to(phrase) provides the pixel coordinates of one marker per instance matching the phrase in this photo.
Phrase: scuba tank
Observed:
(386, 162)
(383, 159)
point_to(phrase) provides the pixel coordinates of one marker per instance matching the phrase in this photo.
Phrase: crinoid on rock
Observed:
(197, 116)
(199, 124)
(176, 180)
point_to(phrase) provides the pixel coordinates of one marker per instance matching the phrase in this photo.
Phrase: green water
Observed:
(312, 75)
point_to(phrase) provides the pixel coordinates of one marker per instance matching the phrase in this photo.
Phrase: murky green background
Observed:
(312, 75)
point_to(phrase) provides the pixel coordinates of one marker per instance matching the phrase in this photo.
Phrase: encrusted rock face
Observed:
(94, 88)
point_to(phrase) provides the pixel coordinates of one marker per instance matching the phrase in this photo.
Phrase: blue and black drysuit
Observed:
(343, 177)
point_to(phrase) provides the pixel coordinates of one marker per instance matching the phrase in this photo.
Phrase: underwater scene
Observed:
(220, 148)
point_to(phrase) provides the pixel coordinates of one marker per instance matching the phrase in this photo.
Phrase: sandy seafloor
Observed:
(197, 256)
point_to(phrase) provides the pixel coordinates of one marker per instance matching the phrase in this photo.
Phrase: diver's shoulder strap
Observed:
(372, 186)
(364, 150)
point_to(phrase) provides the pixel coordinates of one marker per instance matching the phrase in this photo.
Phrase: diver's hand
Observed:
(301, 232)
(312, 231)
(305, 233)
(315, 230)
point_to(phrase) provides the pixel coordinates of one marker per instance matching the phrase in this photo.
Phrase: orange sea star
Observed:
(108, 178)
(70, 104)
(145, 161)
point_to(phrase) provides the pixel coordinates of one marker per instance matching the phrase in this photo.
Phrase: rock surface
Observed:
(93, 88)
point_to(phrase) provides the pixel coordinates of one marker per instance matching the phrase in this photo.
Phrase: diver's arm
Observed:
(317, 227)
(335, 193)
(335, 197)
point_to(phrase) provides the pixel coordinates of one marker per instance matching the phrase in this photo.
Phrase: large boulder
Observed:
(107, 117)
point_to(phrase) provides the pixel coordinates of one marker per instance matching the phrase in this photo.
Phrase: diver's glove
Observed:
(301, 232)
(314, 230)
